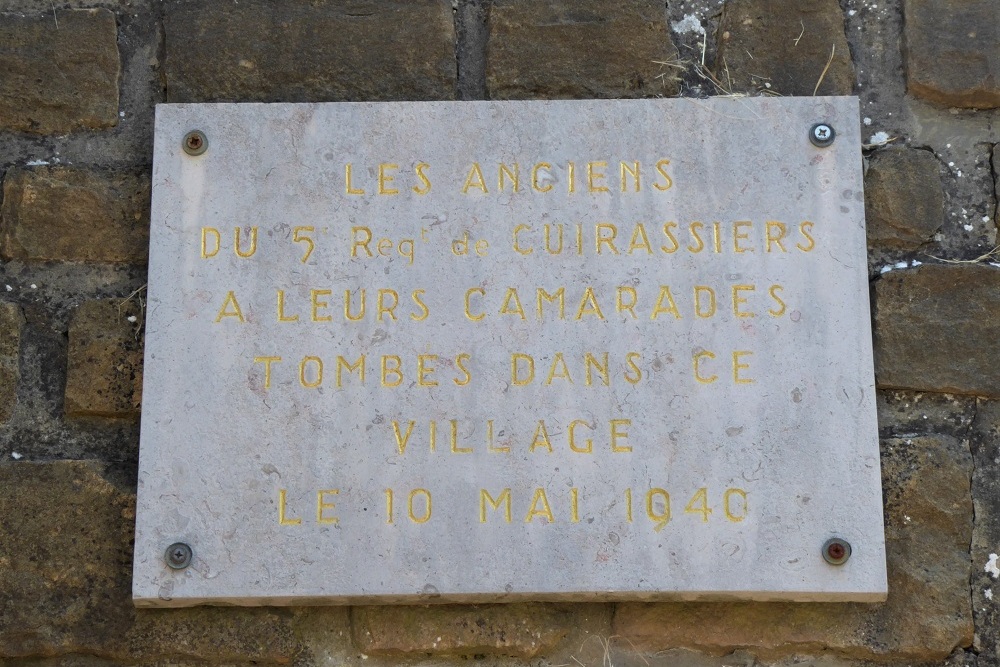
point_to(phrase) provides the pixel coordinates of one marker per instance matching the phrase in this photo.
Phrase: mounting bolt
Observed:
(195, 142)
(836, 551)
(178, 556)
(822, 135)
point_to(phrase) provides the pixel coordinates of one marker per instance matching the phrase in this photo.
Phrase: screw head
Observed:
(178, 556)
(195, 142)
(822, 135)
(836, 551)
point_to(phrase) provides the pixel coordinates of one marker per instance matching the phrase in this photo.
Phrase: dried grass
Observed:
(825, 69)
(137, 296)
(992, 254)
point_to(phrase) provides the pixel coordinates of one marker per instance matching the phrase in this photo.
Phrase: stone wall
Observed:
(78, 83)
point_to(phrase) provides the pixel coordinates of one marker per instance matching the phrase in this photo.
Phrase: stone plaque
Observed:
(496, 351)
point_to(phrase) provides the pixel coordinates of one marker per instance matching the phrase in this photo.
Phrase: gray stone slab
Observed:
(727, 436)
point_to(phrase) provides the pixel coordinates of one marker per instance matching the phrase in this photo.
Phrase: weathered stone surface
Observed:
(904, 199)
(520, 630)
(77, 215)
(986, 535)
(305, 51)
(995, 165)
(936, 329)
(65, 573)
(219, 635)
(927, 615)
(784, 47)
(579, 48)
(11, 321)
(104, 369)
(953, 51)
(70, 661)
(64, 535)
(59, 71)
(908, 413)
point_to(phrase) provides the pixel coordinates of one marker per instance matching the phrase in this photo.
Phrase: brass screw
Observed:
(195, 142)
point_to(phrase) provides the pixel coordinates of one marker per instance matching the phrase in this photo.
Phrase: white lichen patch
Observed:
(898, 266)
(992, 568)
(690, 23)
(879, 139)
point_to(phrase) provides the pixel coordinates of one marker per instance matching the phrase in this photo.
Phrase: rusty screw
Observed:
(836, 551)
(195, 142)
(178, 556)
(822, 135)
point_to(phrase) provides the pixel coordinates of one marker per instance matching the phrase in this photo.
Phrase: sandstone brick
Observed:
(995, 164)
(904, 413)
(11, 321)
(786, 45)
(59, 71)
(904, 199)
(936, 329)
(953, 51)
(64, 535)
(986, 534)
(305, 50)
(578, 49)
(927, 613)
(69, 214)
(104, 368)
(66, 571)
(520, 630)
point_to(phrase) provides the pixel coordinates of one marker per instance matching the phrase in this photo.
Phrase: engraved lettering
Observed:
(267, 361)
(322, 505)
(206, 234)
(283, 519)
(385, 178)
(658, 508)
(230, 308)
(539, 508)
(486, 499)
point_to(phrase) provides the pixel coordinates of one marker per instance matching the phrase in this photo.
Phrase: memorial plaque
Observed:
(497, 351)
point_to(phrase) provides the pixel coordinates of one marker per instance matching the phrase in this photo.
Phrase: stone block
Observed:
(953, 51)
(11, 321)
(64, 536)
(579, 49)
(59, 71)
(904, 199)
(784, 47)
(307, 51)
(906, 413)
(936, 329)
(75, 215)
(995, 165)
(66, 571)
(986, 534)
(926, 616)
(518, 630)
(104, 368)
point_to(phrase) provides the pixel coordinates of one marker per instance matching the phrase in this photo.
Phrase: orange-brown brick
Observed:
(76, 215)
(579, 49)
(11, 322)
(104, 368)
(59, 71)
